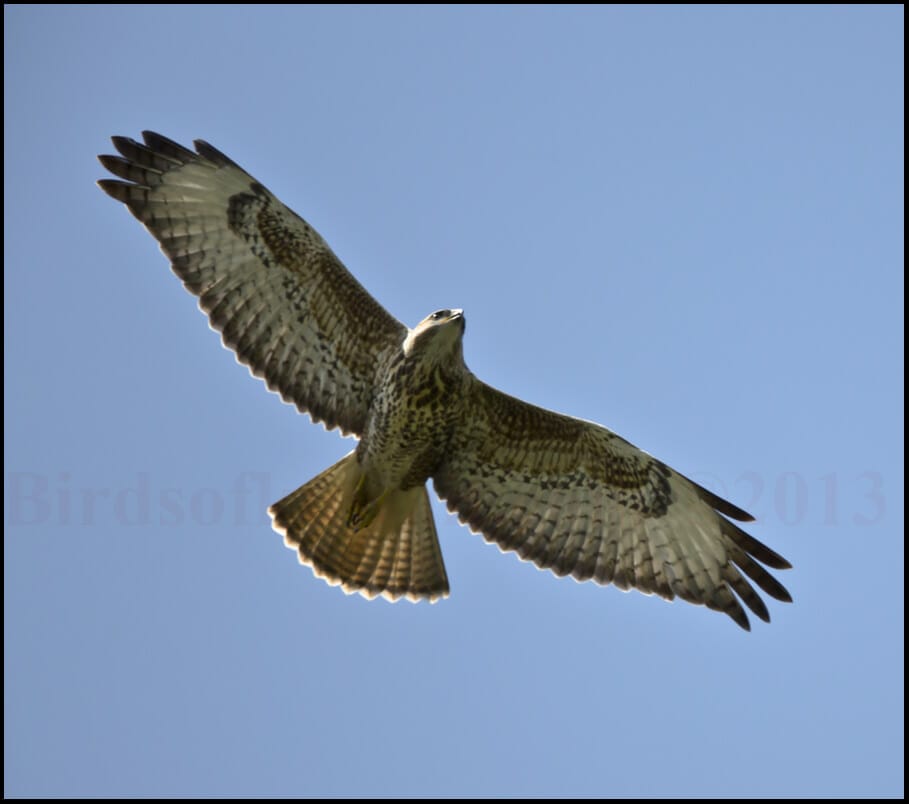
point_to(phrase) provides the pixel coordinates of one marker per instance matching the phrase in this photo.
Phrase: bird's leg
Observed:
(363, 510)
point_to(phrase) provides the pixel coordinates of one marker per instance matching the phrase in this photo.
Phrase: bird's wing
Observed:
(577, 499)
(268, 282)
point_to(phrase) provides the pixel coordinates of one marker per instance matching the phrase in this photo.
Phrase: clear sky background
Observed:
(686, 224)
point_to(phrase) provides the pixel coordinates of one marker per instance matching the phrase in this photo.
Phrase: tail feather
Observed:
(396, 555)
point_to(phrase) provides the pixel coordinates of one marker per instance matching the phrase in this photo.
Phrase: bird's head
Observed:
(437, 336)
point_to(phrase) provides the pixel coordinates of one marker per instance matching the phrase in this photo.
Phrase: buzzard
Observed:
(567, 494)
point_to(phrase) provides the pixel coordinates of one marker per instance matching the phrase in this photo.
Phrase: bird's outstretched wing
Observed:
(268, 282)
(577, 499)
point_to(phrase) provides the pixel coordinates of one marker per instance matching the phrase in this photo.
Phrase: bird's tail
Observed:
(396, 555)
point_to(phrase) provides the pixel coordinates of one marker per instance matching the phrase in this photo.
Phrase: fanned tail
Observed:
(396, 555)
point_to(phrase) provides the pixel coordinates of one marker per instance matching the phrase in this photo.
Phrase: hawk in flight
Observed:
(567, 494)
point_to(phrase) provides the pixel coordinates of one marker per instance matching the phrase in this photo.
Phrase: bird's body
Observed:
(415, 408)
(567, 494)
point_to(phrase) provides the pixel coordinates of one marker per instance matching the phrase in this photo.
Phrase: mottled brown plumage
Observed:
(567, 494)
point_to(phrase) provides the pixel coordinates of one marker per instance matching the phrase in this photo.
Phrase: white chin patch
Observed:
(409, 341)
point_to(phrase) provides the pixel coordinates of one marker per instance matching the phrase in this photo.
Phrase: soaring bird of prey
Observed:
(567, 494)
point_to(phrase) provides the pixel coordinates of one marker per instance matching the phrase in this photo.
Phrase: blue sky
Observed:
(686, 224)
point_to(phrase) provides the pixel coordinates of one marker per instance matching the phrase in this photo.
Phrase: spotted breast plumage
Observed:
(567, 494)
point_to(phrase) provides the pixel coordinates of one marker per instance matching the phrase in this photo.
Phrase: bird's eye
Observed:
(440, 314)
